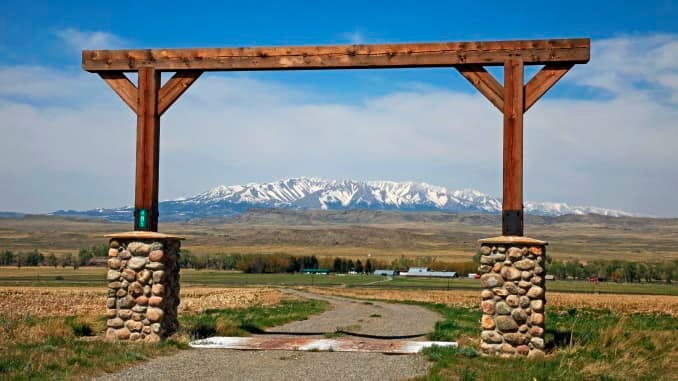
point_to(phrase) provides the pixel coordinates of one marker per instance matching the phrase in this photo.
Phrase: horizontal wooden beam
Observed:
(173, 89)
(485, 83)
(122, 86)
(531, 52)
(543, 81)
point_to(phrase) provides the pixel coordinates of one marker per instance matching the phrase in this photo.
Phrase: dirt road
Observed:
(367, 318)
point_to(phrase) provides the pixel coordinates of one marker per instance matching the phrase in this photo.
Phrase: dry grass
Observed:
(382, 234)
(88, 301)
(198, 299)
(649, 304)
(627, 364)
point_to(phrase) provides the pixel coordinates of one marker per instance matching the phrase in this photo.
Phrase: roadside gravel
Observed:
(224, 364)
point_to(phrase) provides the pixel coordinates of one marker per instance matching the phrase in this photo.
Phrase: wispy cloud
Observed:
(615, 151)
(355, 37)
(633, 66)
(81, 39)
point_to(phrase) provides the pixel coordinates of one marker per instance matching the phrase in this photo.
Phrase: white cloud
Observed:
(39, 83)
(617, 151)
(81, 39)
(634, 66)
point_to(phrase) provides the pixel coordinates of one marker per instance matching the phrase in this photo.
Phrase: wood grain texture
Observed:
(177, 85)
(543, 81)
(513, 136)
(122, 86)
(485, 83)
(532, 52)
(148, 146)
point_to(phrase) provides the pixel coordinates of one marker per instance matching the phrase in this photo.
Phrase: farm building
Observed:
(316, 271)
(384, 272)
(425, 272)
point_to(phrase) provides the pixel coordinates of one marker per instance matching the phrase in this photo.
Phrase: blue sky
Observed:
(603, 136)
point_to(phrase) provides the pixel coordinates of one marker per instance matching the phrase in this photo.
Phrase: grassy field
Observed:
(588, 337)
(581, 345)
(618, 303)
(605, 331)
(601, 337)
(384, 235)
(53, 344)
(95, 277)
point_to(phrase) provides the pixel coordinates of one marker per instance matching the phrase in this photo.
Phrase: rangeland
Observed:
(54, 316)
(359, 233)
(57, 332)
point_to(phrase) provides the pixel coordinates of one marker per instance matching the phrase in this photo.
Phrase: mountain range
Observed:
(315, 193)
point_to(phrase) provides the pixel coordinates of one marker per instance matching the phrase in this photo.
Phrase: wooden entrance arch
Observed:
(149, 100)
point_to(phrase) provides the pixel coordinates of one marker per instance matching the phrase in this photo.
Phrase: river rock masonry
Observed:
(143, 286)
(513, 296)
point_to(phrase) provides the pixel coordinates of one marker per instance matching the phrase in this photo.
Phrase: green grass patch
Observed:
(78, 327)
(242, 322)
(581, 345)
(457, 321)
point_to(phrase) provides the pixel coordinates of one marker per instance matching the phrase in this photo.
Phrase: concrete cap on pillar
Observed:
(142, 235)
(515, 240)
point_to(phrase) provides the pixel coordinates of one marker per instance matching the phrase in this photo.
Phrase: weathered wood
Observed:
(177, 85)
(150, 101)
(543, 81)
(485, 83)
(122, 86)
(531, 52)
(148, 148)
(512, 204)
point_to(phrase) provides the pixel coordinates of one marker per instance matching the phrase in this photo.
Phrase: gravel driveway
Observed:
(373, 318)
(364, 317)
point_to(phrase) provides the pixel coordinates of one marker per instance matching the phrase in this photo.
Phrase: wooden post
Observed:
(512, 207)
(148, 151)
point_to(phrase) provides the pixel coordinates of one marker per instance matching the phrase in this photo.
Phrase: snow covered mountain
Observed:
(315, 193)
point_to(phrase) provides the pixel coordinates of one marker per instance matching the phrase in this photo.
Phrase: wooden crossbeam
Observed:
(543, 81)
(149, 101)
(176, 86)
(531, 52)
(485, 82)
(122, 86)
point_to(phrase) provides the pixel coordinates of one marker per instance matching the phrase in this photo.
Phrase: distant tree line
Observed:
(273, 263)
(461, 268)
(285, 263)
(36, 258)
(615, 271)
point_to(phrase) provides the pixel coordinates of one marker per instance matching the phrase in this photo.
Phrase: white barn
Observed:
(425, 272)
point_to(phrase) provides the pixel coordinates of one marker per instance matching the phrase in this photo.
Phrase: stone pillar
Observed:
(143, 286)
(513, 296)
